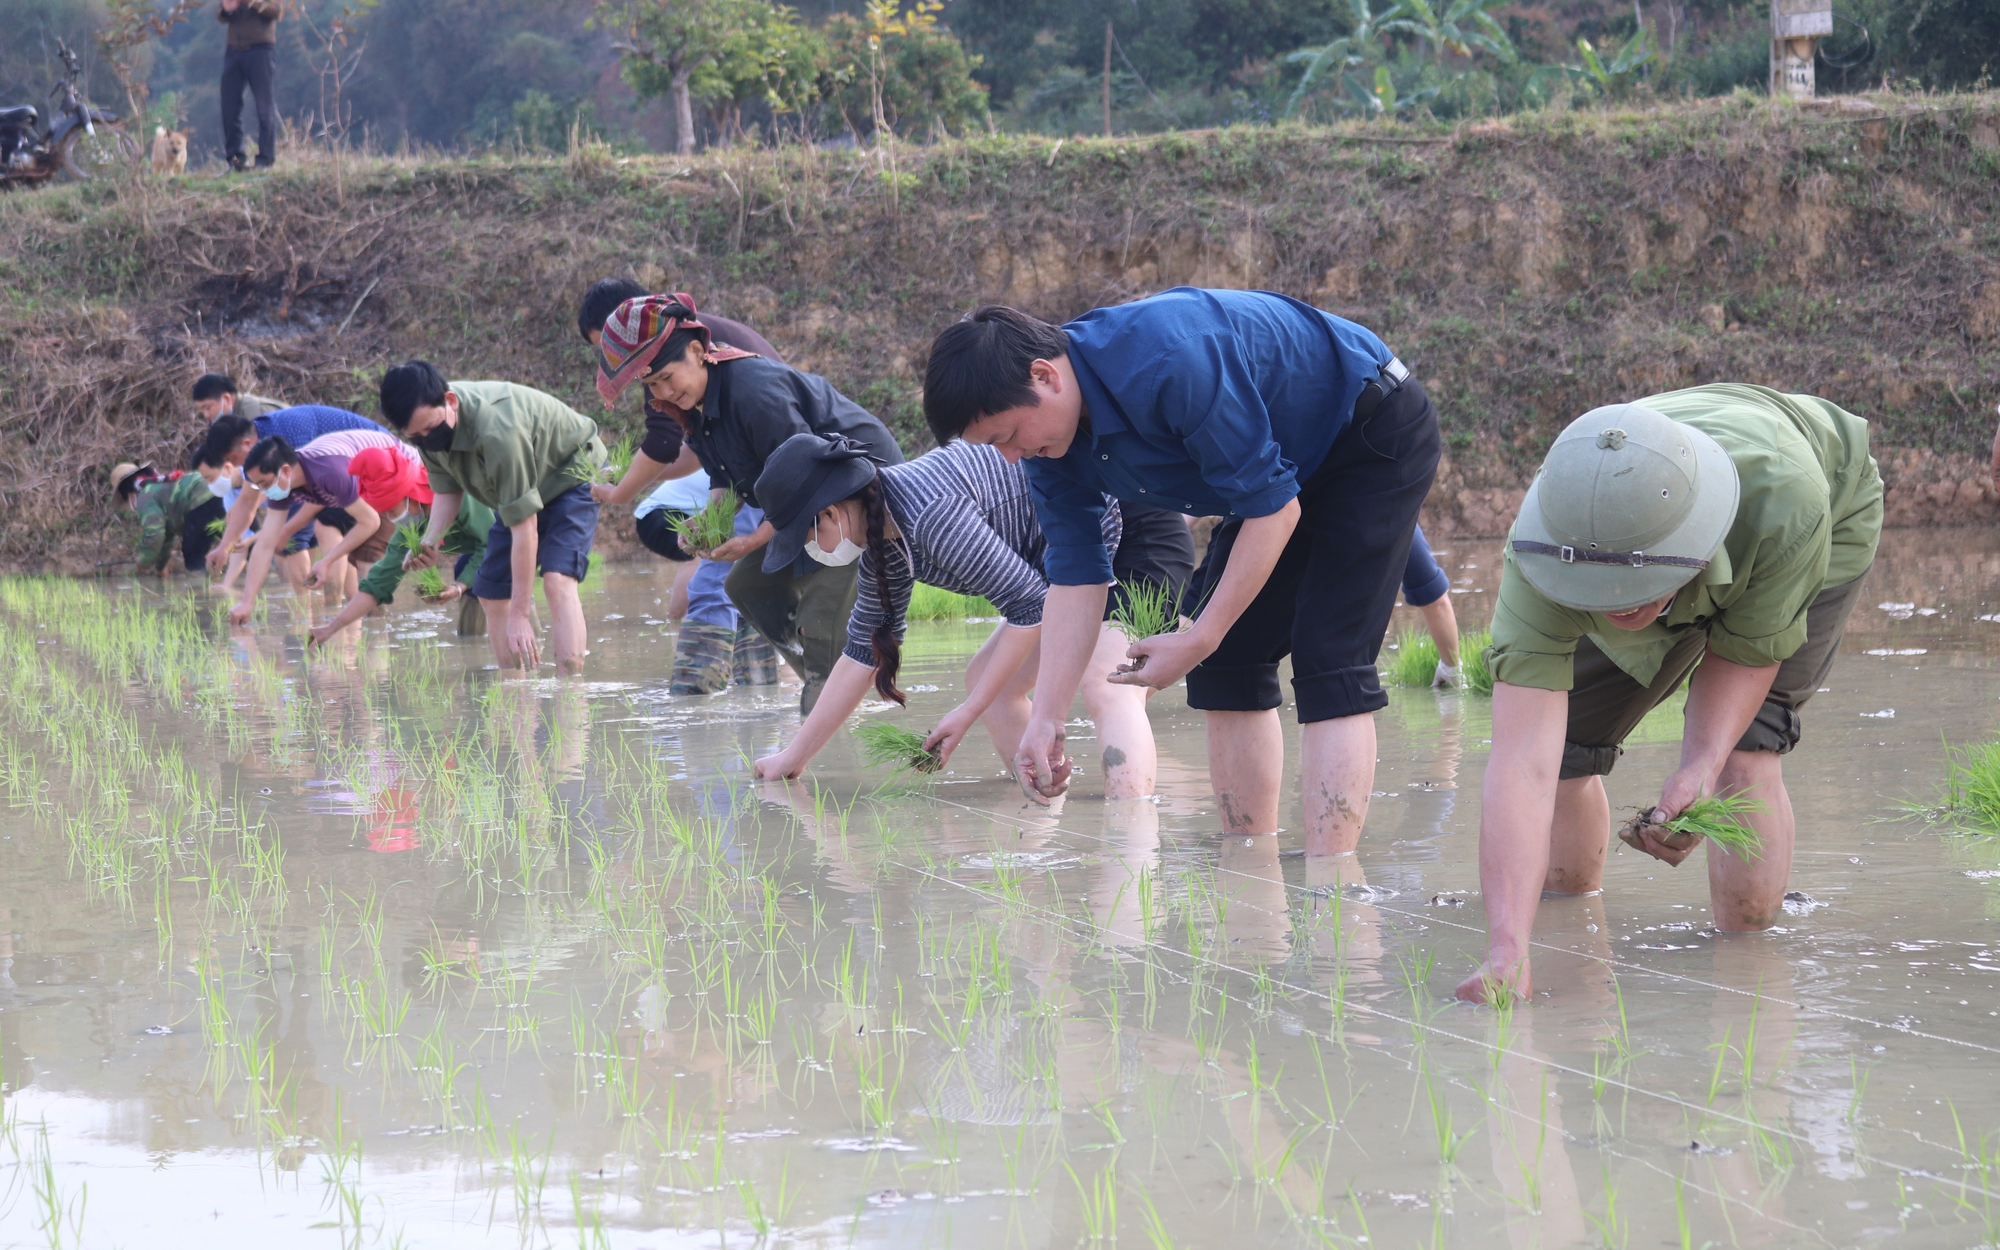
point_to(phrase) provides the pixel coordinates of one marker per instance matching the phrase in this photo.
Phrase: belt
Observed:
(1624, 559)
(1380, 387)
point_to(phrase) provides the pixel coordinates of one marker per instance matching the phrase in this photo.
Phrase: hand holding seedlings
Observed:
(1163, 650)
(708, 529)
(1715, 817)
(883, 743)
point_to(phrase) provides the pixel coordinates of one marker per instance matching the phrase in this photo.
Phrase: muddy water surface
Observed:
(369, 947)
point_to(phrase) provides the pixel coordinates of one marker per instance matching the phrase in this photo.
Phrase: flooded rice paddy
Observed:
(367, 947)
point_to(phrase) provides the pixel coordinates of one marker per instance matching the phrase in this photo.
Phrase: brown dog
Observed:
(170, 151)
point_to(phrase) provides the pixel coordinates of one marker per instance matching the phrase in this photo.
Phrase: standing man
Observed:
(249, 59)
(529, 457)
(1302, 429)
(1721, 531)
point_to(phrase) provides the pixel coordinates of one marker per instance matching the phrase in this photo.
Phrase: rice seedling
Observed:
(1147, 609)
(1972, 786)
(216, 527)
(930, 603)
(1472, 661)
(618, 457)
(885, 744)
(1715, 817)
(1413, 659)
(713, 526)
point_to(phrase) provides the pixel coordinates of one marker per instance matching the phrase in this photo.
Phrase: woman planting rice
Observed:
(958, 518)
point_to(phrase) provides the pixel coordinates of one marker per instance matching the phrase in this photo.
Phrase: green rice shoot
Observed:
(412, 534)
(1472, 661)
(1147, 609)
(218, 525)
(713, 526)
(1972, 785)
(883, 743)
(930, 603)
(618, 457)
(1414, 660)
(1715, 818)
(430, 582)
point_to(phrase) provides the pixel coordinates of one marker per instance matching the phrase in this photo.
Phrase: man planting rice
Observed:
(1719, 536)
(1301, 428)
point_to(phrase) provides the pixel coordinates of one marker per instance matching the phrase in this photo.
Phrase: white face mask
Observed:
(847, 551)
(219, 486)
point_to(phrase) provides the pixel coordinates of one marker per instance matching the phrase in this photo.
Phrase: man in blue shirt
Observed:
(1299, 427)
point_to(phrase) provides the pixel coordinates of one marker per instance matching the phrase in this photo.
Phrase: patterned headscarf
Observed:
(633, 335)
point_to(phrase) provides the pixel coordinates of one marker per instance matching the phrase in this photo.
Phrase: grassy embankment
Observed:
(1526, 269)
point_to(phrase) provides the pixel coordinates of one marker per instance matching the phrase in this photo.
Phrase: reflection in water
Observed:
(375, 938)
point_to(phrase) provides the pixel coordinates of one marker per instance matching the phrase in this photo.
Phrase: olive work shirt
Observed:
(515, 449)
(465, 536)
(753, 404)
(1809, 518)
(251, 407)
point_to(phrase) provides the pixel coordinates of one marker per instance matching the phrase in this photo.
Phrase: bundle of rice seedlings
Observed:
(1972, 785)
(430, 581)
(618, 460)
(884, 743)
(1472, 661)
(711, 527)
(1414, 660)
(218, 525)
(1147, 609)
(1715, 818)
(929, 603)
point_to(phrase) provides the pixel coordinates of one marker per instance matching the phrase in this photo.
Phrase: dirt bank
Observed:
(1527, 270)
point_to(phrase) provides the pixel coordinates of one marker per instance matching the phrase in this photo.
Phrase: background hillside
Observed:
(1527, 269)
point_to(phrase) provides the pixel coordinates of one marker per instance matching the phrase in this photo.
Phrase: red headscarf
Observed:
(387, 478)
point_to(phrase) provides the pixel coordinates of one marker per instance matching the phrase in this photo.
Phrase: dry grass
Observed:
(1527, 270)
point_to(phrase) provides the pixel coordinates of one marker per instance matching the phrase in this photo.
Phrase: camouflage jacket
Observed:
(163, 509)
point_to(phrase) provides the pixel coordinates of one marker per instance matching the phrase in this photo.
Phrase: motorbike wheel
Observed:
(90, 157)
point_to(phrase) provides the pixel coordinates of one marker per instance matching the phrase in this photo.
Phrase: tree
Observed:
(900, 71)
(772, 57)
(665, 43)
(129, 26)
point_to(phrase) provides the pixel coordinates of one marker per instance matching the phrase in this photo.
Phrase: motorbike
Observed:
(80, 142)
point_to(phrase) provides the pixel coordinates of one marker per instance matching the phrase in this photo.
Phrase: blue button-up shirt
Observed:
(302, 423)
(1211, 403)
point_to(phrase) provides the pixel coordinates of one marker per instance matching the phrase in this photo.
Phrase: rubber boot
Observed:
(756, 661)
(471, 616)
(702, 658)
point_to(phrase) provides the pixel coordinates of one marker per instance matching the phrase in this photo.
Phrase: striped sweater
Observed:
(968, 527)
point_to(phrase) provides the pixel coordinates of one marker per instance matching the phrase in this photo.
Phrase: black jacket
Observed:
(752, 405)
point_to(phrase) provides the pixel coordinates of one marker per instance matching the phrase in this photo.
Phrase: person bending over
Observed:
(1717, 535)
(309, 481)
(1302, 429)
(530, 458)
(162, 504)
(227, 443)
(399, 489)
(1427, 588)
(958, 518)
(714, 645)
(734, 409)
(215, 395)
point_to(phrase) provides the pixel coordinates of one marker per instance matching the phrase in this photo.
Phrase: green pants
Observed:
(804, 617)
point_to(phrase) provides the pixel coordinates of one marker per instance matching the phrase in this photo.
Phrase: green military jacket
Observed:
(162, 508)
(466, 536)
(515, 449)
(1809, 518)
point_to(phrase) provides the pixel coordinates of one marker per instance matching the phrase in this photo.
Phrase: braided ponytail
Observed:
(888, 652)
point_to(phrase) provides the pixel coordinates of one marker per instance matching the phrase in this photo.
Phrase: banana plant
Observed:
(1361, 45)
(1464, 27)
(1627, 65)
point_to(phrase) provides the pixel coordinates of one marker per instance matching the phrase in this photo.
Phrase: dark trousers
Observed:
(804, 616)
(1328, 600)
(252, 68)
(195, 538)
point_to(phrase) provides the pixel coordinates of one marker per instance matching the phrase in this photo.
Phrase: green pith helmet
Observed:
(1628, 507)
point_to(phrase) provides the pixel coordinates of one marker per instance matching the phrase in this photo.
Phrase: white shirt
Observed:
(682, 494)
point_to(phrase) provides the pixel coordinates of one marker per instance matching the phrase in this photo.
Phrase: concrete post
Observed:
(1797, 26)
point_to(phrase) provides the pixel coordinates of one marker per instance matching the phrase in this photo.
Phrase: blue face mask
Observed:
(275, 493)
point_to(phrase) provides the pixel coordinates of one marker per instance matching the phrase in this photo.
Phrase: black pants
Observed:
(1328, 600)
(656, 531)
(252, 68)
(195, 538)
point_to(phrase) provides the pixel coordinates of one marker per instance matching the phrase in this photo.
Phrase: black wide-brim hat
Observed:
(805, 475)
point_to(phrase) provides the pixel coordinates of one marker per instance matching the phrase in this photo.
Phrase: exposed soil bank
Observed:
(1526, 269)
